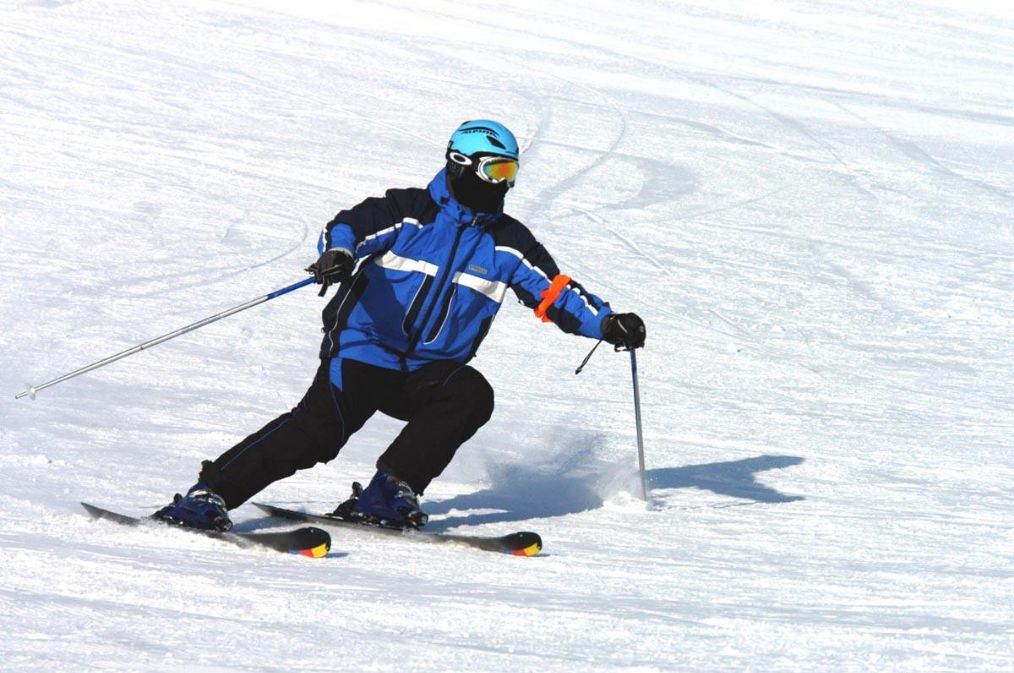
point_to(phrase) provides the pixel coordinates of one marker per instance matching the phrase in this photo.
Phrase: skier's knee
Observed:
(484, 402)
(473, 389)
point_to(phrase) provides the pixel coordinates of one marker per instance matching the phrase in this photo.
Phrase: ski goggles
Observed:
(491, 168)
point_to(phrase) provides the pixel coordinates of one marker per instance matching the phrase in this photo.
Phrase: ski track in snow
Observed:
(809, 204)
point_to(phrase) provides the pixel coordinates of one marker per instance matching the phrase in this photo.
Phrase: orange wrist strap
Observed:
(550, 295)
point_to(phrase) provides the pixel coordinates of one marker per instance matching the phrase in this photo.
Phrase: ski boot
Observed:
(387, 501)
(199, 508)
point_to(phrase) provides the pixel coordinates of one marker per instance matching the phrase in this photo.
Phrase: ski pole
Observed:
(31, 391)
(637, 414)
(637, 418)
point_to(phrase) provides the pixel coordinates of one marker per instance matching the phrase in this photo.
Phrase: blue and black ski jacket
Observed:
(431, 277)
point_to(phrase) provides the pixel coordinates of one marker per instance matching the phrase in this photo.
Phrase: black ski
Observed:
(306, 541)
(518, 544)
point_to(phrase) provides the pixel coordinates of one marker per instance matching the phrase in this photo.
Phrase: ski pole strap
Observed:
(587, 357)
(550, 295)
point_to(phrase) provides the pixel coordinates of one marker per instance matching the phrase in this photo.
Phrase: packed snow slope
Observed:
(809, 203)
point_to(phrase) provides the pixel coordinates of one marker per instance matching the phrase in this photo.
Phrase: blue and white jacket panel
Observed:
(431, 277)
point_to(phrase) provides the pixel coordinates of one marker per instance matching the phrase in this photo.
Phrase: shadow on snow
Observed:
(522, 492)
(737, 479)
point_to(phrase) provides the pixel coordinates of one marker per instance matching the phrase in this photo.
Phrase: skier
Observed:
(422, 274)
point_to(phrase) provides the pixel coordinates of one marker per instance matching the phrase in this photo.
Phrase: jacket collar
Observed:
(459, 213)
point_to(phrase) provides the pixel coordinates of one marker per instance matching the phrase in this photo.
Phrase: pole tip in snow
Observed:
(29, 391)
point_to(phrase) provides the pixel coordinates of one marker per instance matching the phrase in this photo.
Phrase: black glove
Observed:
(334, 266)
(624, 329)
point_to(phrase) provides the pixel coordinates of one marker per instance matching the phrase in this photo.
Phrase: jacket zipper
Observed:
(446, 273)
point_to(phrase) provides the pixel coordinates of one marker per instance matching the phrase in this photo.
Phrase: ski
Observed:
(306, 541)
(517, 544)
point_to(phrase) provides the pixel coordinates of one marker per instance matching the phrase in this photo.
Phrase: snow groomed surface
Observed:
(809, 204)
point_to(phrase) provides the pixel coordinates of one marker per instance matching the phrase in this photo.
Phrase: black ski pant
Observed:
(444, 403)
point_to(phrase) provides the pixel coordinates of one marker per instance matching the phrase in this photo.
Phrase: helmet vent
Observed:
(483, 136)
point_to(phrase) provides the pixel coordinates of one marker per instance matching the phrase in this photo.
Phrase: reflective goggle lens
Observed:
(498, 169)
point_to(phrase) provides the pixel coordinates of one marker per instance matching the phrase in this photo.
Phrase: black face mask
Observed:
(476, 194)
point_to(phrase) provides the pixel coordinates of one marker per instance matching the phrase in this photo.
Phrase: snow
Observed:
(809, 204)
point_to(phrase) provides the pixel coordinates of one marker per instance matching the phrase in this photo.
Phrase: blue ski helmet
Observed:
(483, 136)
